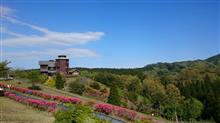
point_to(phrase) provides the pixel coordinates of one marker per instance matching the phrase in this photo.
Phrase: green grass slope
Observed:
(13, 112)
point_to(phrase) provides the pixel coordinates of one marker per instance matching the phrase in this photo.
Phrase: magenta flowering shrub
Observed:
(116, 110)
(40, 104)
(13, 96)
(104, 108)
(75, 100)
(43, 95)
(119, 111)
(130, 115)
(51, 106)
(46, 96)
(67, 99)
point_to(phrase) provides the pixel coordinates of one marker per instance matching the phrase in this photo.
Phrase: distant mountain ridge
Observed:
(214, 59)
(176, 66)
(164, 68)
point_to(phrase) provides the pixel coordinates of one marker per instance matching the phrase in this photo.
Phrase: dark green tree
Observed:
(217, 110)
(135, 85)
(76, 114)
(108, 79)
(34, 77)
(59, 81)
(192, 109)
(172, 104)
(77, 87)
(4, 69)
(155, 91)
(114, 97)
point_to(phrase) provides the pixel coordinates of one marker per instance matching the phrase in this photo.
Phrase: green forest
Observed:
(184, 91)
(188, 90)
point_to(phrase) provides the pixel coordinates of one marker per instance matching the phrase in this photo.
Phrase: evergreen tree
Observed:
(155, 91)
(59, 81)
(173, 102)
(217, 110)
(114, 97)
(34, 77)
(77, 87)
(192, 109)
(4, 69)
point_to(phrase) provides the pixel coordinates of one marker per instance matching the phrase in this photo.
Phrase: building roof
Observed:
(50, 63)
(43, 62)
(62, 57)
(74, 70)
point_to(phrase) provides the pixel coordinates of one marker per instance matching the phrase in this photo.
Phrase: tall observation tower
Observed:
(62, 64)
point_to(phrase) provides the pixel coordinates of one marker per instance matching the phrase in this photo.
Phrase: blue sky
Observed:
(116, 34)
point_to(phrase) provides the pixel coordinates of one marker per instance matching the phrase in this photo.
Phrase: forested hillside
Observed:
(188, 90)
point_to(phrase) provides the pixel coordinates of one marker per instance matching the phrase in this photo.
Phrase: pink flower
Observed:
(40, 104)
(119, 111)
(104, 108)
(75, 100)
(51, 106)
(131, 115)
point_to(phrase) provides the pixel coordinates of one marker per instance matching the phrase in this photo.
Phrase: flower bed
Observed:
(120, 112)
(116, 110)
(101, 107)
(43, 95)
(104, 108)
(40, 104)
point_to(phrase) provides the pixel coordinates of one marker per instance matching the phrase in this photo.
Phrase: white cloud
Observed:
(6, 11)
(21, 55)
(71, 52)
(55, 38)
(48, 37)
(16, 21)
(2, 29)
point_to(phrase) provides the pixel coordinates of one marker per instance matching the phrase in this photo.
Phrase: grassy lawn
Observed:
(13, 112)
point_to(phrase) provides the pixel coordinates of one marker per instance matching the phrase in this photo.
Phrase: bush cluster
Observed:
(77, 114)
(77, 87)
(95, 85)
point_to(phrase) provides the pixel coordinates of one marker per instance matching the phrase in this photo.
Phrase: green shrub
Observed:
(59, 81)
(77, 87)
(33, 77)
(192, 109)
(76, 114)
(43, 78)
(114, 97)
(35, 87)
(142, 122)
(64, 116)
(95, 85)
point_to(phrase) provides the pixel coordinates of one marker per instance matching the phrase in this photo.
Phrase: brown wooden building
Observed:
(62, 64)
(51, 67)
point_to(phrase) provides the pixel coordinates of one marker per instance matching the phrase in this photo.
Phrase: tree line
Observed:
(186, 90)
